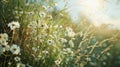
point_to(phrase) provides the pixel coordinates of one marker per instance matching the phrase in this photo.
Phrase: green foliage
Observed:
(40, 36)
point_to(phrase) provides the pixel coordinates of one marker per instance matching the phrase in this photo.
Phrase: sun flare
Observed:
(97, 11)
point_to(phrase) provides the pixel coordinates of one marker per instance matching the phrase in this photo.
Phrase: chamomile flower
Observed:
(15, 49)
(17, 59)
(58, 61)
(63, 40)
(4, 36)
(13, 25)
(49, 17)
(50, 42)
(42, 14)
(3, 42)
(68, 29)
(43, 26)
(44, 7)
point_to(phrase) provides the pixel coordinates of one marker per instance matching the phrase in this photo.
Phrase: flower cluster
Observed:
(70, 32)
(7, 48)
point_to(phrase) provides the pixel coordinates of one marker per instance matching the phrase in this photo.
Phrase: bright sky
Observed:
(97, 11)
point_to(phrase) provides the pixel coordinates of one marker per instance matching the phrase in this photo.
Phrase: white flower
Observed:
(44, 7)
(50, 42)
(49, 16)
(63, 40)
(43, 26)
(3, 42)
(42, 14)
(4, 36)
(20, 65)
(70, 32)
(15, 49)
(68, 29)
(17, 59)
(13, 25)
(32, 25)
(58, 61)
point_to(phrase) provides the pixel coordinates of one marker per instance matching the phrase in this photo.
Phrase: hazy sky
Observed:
(97, 11)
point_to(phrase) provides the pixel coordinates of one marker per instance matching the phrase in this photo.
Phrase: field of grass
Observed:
(38, 35)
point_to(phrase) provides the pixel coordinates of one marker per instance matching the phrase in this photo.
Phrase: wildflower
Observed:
(42, 14)
(68, 29)
(15, 49)
(32, 25)
(4, 36)
(43, 26)
(3, 42)
(17, 59)
(44, 7)
(63, 40)
(70, 32)
(49, 16)
(50, 42)
(58, 61)
(20, 65)
(4, 1)
(13, 25)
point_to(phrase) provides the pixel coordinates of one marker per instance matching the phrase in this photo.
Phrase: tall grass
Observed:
(38, 35)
